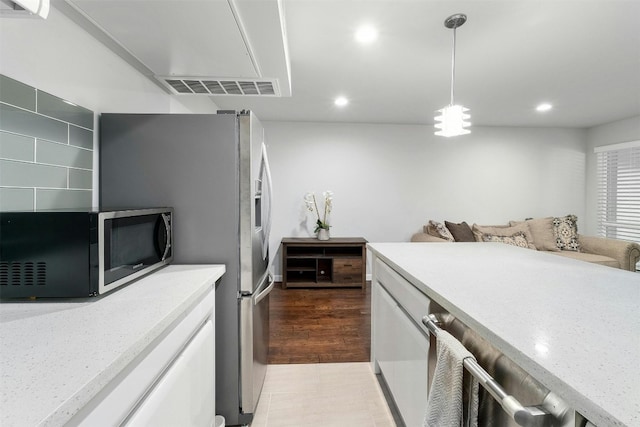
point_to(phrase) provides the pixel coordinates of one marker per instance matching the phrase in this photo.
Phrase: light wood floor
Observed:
(319, 325)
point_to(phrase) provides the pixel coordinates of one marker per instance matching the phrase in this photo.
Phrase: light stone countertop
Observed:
(574, 326)
(56, 356)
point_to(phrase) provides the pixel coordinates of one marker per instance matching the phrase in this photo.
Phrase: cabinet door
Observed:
(185, 395)
(401, 350)
(384, 331)
(411, 370)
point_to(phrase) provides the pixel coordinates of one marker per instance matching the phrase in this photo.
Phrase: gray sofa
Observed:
(599, 250)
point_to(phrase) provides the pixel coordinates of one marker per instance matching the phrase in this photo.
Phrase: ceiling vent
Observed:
(221, 86)
(25, 8)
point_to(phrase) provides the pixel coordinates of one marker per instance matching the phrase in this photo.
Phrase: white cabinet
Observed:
(400, 345)
(171, 383)
(385, 325)
(184, 395)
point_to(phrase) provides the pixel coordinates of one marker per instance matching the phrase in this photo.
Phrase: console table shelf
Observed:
(309, 262)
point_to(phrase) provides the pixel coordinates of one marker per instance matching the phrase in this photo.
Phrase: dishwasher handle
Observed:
(530, 416)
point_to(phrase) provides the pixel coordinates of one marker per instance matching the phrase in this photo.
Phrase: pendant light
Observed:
(452, 118)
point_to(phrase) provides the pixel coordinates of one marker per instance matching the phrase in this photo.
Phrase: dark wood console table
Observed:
(338, 262)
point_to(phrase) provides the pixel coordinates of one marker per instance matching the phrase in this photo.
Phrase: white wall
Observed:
(607, 134)
(57, 56)
(389, 180)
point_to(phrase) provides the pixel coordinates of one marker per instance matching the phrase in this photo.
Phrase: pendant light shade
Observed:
(452, 120)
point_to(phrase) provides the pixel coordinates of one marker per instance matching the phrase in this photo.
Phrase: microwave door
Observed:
(131, 245)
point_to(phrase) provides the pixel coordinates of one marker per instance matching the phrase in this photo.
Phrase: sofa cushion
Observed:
(503, 231)
(461, 232)
(594, 258)
(424, 237)
(565, 230)
(438, 229)
(542, 232)
(518, 239)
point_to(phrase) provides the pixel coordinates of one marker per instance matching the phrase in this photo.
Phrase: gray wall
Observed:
(46, 150)
(389, 180)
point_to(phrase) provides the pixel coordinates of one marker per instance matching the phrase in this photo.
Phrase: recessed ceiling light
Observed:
(341, 101)
(545, 106)
(366, 34)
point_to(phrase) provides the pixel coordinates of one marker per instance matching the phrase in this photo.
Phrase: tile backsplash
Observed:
(46, 150)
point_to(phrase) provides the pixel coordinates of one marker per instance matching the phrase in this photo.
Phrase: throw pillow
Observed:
(438, 229)
(461, 232)
(565, 230)
(541, 229)
(518, 239)
(504, 231)
(477, 233)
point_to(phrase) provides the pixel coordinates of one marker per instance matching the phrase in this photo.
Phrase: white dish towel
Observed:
(444, 405)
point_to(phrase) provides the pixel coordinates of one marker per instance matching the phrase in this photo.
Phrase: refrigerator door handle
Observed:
(260, 296)
(266, 187)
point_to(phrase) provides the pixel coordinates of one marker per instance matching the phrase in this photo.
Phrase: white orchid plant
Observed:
(312, 205)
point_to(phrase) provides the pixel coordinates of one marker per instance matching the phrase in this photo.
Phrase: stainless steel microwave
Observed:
(72, 253)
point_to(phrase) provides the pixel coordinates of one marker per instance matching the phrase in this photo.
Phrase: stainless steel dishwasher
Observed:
(508, 396)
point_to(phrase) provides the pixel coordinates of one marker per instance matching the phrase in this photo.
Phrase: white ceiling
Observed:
(581, 56)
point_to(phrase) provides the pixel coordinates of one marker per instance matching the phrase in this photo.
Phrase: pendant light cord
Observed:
(453, 64)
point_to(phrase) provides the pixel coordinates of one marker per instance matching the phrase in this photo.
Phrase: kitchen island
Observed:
(75, 361)
(573, 326)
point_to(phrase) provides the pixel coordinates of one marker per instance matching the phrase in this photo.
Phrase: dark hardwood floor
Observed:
(319, 325)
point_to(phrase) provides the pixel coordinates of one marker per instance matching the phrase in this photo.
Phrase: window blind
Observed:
(618, 190)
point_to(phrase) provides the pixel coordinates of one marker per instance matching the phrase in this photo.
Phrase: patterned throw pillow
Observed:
(504, 231)
(542, 233)
(565, 230)
(438, 229)
(517, 239)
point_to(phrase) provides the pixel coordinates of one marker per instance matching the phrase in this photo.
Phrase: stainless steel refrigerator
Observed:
(213, 170)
